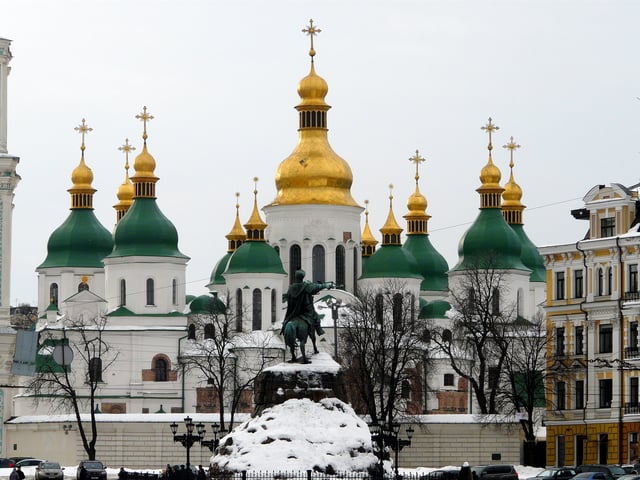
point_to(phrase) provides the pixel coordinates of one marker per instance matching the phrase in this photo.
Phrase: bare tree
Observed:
(383, 352)
(73, 385)
(477, 341)
(229, 360)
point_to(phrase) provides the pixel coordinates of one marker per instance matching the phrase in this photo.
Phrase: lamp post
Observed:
(389, 437)
(215, 441)
(335, 305)
(188, 439)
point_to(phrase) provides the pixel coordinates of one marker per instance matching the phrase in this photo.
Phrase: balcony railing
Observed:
(631, 296)
(632, 352)
(631, 408)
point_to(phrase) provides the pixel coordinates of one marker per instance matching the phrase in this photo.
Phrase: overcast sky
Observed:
(561, 77)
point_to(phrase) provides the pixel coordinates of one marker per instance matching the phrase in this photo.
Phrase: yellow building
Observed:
(593, 310)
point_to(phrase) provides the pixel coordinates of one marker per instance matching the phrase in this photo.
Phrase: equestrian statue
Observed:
(301, 320)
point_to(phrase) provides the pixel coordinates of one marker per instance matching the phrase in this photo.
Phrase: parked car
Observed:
(613, 470)
(17, 459)
(443, 474)
(6, 463)
(29, 462)
(95, 470)
(629, 476)
(49, 471)
(593, 476)
(555, 473)
(495, 472)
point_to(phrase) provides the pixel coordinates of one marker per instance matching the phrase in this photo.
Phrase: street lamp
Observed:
(215, 441)
(335, 305)
(389, 437)
(188, 439)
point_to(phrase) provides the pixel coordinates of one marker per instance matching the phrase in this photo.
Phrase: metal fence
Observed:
(312, 475)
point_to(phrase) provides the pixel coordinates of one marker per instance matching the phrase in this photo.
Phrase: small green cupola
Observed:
(81, 241)
(512, 209)
(235, 238)
(391, 260)
(490, 238)
(207, 305)
(144, 230)
(431, 263)
(255, 255)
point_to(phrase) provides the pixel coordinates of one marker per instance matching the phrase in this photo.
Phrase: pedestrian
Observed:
(122, 474)
(14, 475)
(202, 475)
(465, 472)
(84, 475)
(20, 472)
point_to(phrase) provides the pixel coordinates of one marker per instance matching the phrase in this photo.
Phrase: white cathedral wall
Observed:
(135, 271)
(310, 225)
(67, 280)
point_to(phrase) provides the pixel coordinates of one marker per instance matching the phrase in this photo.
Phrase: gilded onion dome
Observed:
(81, 241)
(432, 265)
(367, 239)
(126, 190)
(313, 173)
(255, 255)
(145, 230)
(512, 209)
(235, 238)
(391, 260)
(490, 241)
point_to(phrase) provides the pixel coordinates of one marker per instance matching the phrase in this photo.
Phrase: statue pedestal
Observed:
(322, 378)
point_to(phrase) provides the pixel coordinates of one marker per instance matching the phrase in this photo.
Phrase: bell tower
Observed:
(8, 182)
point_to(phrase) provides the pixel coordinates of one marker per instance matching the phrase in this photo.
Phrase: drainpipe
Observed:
(585, 335)
(182, 364)
(621, 369)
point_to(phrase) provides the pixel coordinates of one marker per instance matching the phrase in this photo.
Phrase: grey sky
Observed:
(220, 78)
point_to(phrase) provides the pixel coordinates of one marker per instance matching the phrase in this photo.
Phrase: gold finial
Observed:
(145, 117)
(126, 148)
(417, 159)
(237, 201)
(311, 31)
(490, 128)
(83, 128)
(366, 210)
(390, 195)
(255, 187)
(511, 146)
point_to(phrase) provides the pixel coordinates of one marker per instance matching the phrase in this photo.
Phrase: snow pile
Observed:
(299, 434)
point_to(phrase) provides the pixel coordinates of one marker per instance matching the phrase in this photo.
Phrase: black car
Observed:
(444, 474)
(495, 472)
(613, 470)
(6, 463)
(555, 473)
(91, 470)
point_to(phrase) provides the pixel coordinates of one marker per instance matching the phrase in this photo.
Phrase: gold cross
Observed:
(255, 186)
(311, 31)
(390, 194)
(126, 148)
(511, 146)
(417, 159)
(490, 128)
(83, 128)
(145, 117)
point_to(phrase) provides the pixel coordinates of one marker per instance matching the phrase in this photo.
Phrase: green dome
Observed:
(145, 231)
(218, 270)
(431, 264)
(490, 235)
(81, 241)
(435, 309)
(391, 261)
(207, 305)
(530, 255)
(255, 257)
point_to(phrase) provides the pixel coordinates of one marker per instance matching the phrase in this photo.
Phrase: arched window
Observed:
(238, 310)
(397, 311)
(123, 292)
(519, 305)
(448, 380)
(191, 335)
(426, 335)
(174, 291)
(274, 298)
(160, 368)
(295, 262)
(609, 280)
(406, 390)
(53, 293)
(495, 302)
(355, 271)
(82, 286)
(600, 282)
(446, 335)
(257, 309)
(379, 308)
(150, 292)
(340, 265)
(209, 330)
(95, 370)
(317, 255)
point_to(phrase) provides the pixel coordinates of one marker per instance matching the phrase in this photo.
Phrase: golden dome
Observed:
(367, 237)
(313, 173)
(144, 164)
(490, 174)
(512, 194)
(237, 232)
(126, 190)
(391, 230)
(82, 176)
